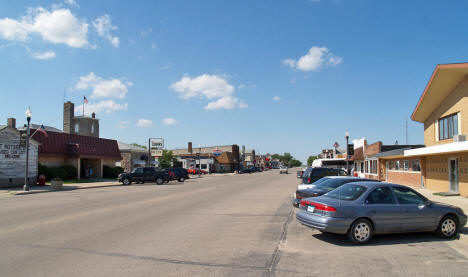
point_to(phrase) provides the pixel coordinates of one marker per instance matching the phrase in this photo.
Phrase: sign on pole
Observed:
(156, 147)
(156, 152)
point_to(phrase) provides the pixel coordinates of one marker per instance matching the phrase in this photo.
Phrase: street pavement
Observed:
(237, 225)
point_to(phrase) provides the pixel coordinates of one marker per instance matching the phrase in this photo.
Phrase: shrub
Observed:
(64, 172)
(111, 172)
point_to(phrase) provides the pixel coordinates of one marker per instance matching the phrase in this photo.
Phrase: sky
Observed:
(275, 76)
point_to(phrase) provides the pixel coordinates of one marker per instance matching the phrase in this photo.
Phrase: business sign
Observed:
(156, 152)
(156, 143)
(217, 152)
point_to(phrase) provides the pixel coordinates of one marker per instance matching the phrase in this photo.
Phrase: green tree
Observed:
(167, 159)
(295, 163)
(138, 145)
(311, 159)
(286, 159)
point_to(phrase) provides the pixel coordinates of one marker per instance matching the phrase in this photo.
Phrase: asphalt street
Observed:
(240, 225)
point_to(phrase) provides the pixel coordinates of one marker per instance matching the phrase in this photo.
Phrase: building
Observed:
(382, 162)
(224, 158)
(443, 109)
(133, 156)
(78, 145)
(13, 157)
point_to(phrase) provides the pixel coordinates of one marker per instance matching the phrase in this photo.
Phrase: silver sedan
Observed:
(362, 209)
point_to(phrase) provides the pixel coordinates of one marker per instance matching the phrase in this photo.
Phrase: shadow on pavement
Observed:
(386, 239)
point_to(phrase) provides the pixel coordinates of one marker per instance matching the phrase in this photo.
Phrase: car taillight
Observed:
(318, 206)
(309, 180)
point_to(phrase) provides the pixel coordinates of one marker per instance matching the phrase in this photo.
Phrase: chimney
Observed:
(11, 122)
(93, 115)
(190, 147)
(243, 149)
(68, 114)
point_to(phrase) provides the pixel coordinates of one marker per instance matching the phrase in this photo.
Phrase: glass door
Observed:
(453, 174)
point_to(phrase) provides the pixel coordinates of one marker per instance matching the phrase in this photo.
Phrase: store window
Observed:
(77, 128)
(416, 165)
(397, 165)
(448, 126)
(405, 165)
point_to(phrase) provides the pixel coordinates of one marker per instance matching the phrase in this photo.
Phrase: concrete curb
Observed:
(58, 190)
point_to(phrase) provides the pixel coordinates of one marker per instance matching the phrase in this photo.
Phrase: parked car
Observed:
(178, 173)
(299, 174)
(308, 186)
(144, 174)
(313, 174)
(362, 209)
(245, 170)
(329, 184)
(283, 169)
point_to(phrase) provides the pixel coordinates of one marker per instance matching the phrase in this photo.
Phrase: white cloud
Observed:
(44, 56)
(56, 26)
(122, 124)
(71, 3)
(169, 121)
(276, 98)
(112, 88)
(227, 103)
(107, 106)
(104, 27)
(209, 87)
(316, 58)
(144, 123)
(241, 86)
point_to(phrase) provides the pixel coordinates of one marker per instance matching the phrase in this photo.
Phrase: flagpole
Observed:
(83, 104)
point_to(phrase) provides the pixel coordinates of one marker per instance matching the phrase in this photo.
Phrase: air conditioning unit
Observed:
(459, 138)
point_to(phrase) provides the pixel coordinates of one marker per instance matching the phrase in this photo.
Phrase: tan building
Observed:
(443, 108)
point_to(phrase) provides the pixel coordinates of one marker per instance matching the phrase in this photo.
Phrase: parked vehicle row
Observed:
(141, 175)
(251, 170)
(360, 208)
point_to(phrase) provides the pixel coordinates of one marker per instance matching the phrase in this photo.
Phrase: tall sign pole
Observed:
(26, 181)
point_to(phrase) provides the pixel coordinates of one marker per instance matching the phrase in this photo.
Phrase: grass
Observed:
(82, 181)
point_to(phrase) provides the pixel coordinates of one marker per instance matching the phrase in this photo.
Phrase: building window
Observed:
(92, 128)
(405, 165)
(367, 166)
(77, 128)
(416, 165)
(362, 167)
(374, 166)
(397, 165)
(448, 126)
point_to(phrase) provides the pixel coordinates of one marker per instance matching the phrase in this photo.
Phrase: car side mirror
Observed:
(428, 203)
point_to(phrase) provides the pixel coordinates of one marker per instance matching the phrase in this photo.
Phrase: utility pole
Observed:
(26, 181)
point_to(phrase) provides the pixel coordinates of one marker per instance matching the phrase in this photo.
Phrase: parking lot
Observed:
(237, 225)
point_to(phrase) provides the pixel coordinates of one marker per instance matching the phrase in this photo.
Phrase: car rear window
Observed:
(347, 192)
(307, 172)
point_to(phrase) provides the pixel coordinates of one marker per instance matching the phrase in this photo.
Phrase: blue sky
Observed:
(276, 76)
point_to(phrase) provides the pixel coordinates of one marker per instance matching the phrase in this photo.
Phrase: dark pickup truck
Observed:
(145, 174)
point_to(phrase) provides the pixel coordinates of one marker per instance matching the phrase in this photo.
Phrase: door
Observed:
(382, 208)
(453, 174)
(416, 215)
(138, 174)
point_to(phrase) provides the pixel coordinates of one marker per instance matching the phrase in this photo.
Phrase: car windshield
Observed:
(320, 181)
(348, 192)
(331, 184)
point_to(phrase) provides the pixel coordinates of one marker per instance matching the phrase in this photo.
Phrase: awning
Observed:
(438, 149)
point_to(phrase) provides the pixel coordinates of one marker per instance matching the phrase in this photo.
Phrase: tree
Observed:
(295, 163)
(138, 145)
(167, 159)
(311, 159)
(286, 159)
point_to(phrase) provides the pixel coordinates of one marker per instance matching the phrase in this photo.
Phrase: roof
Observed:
(438, 149)
(70, 145)
(444, 79)
(395, 153)
(226, 158)
(47, 128)
(128, 147)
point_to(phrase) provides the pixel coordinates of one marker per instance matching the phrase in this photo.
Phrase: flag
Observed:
(85, 100)
(336, 145)
(42, 130)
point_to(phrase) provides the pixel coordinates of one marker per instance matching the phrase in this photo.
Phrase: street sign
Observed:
(156, 143)
(23, 135)
(156, 152)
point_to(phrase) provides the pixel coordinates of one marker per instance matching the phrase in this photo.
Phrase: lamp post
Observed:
(347, 152)
(28, 114)
(199, 161)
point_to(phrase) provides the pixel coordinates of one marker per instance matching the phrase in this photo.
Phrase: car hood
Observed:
(443, 205)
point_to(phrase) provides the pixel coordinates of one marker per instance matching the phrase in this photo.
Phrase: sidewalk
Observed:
(48, 188)
(459, 201)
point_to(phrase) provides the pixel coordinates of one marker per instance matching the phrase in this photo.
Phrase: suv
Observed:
(178, 173)
(283, 169)
(145, 174)
(312, 174)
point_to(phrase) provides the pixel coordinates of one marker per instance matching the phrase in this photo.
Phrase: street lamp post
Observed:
(347, 152)
(28, 114)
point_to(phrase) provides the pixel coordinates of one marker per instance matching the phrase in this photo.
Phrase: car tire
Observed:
(361, 231)
(126, 182)
(159, 181)
(181, 179)
(448, 227)
(142, 182)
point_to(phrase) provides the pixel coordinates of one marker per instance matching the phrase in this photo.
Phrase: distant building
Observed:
(133, 157)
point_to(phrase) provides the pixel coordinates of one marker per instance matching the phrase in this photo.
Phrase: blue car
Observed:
(361, 209)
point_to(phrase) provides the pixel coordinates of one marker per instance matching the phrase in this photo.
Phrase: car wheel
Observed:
(159, 181)
(126, 181)
(181, 179)
(448, 227)
(360, 232)
(142, 182)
